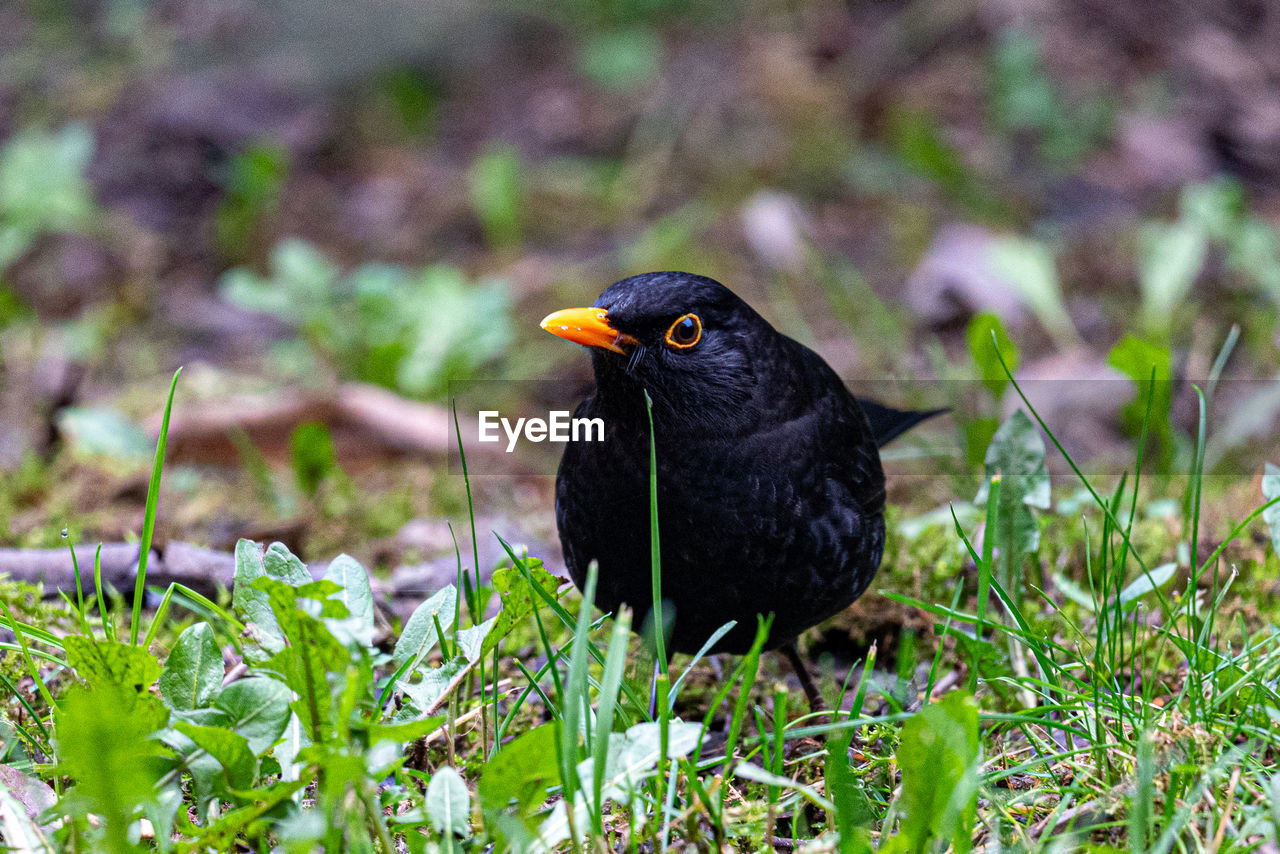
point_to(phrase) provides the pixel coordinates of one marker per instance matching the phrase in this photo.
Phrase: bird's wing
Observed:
(846, 439)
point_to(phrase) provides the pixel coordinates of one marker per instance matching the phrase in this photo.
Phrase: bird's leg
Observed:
(806, 681)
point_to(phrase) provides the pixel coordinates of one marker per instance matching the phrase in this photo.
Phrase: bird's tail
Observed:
(888, 423)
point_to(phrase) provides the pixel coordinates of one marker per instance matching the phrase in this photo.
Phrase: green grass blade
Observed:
(149, 515)
(34, 672)
(576, 708)
(610, 684)
(655, 552)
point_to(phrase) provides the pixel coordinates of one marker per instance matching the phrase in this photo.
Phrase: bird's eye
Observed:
(685, 332)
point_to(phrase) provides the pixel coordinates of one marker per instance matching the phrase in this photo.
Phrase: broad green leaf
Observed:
(258, 709)
(283, 565)
(31, 794)
(434, 683)
(291, 743)
(357, 595)
(304, 608)
(193, 673)
(472, 641)
(937, 751)
(633, 756)
(314, 671)
(418, 637)
(162, 812)
(110, 662)
(448, 803)
(250, 602)
(229, 748)
(1074, 592)
(517, 598)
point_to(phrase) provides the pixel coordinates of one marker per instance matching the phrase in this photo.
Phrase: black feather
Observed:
(888, 423)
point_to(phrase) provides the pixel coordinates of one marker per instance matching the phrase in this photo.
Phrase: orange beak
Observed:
(588, 327)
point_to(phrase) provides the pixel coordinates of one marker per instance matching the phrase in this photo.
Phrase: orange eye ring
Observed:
(686, 332)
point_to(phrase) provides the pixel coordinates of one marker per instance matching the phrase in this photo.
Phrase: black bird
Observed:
(770, 491)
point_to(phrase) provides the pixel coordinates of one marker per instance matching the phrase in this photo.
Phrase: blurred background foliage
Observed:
(292, 195)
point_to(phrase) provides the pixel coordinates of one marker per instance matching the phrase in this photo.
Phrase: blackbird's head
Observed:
(699, 350)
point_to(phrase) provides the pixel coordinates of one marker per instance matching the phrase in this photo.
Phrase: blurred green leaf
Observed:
(411, 330)
(1216, 206)
(1150, 366)
(298, 290)
(102, 432)
(918, 142)
(109, 662)
(978, 433)
(459, 325)
(1170, 257)
(1254, 250)
(1147, 582)
(496, 185)
(105, 744)
(253, 182)
(43, 187)
(853, 811)
(314, 458)
(1030, 267)
(1017, 454)
(521, 772)
(987, 353)
(1024, 100)
(938, 754)
(620, 60)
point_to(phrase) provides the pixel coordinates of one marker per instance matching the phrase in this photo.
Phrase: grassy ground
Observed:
(1076, 681)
